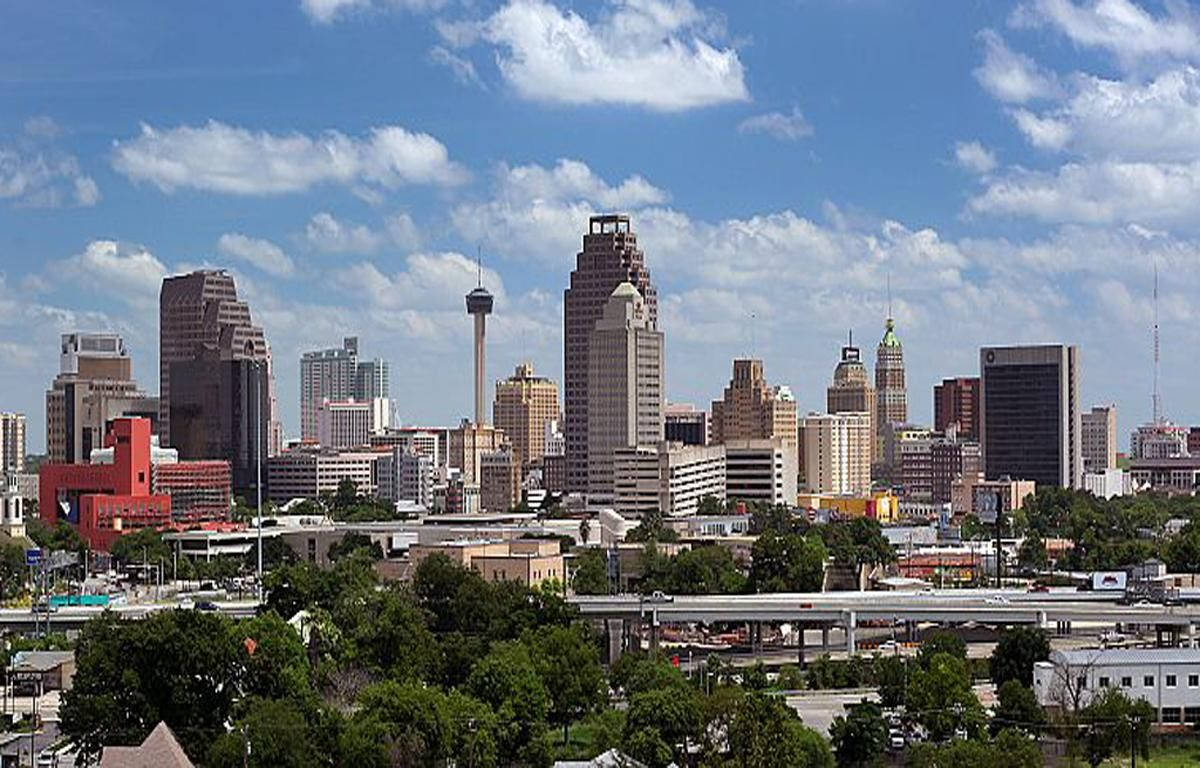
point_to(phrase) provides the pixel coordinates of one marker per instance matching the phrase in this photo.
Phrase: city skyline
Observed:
(1029, 219)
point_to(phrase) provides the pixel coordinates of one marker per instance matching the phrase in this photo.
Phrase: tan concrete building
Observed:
(468, 443)
(625, 385)
(94, 385)
(524, 405)
(12, 443)
(528, 561)
(751, 409)
(837, 453)
(668, 477)
(1098, 432)
(760, 470)
(851, 390)
(499, 480)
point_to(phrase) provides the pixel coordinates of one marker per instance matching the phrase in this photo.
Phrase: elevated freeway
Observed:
(74, 617)
(849, 610)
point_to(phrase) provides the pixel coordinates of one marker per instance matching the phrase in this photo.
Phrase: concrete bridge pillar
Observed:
(1191, 635)
(824, 638)
(851, 619)
(654, 629)
(800, 644)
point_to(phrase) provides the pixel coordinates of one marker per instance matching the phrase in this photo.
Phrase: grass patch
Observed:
(1166, 757)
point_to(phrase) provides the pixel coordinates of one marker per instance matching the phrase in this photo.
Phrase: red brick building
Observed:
(106, 500)
(199, 490)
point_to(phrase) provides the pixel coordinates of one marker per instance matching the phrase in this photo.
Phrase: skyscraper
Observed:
(1029, 414)
(610, 256)
(1098, 428)
(956, 401)
(524, 405)
(837, 452)
(214, 367)
(625, 385)
(752, 410)
(851, 390)
(891, 392)
(94, 386)
(12, 443)
(337, 375)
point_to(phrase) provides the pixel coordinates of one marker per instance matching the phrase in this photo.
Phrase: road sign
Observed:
(33, 557)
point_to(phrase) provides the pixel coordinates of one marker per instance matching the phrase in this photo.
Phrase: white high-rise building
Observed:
(670, 478)
(12, 443)
(625, 385)
(837, 453)
(337, 375)
(343, 425)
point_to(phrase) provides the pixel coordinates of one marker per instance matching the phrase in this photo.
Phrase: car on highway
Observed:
(996, 600)
(887, 646)
(208, 606)
(658, 596)
(43, 606)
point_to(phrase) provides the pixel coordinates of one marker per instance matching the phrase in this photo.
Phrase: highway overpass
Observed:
(849, 610)
(74, 617)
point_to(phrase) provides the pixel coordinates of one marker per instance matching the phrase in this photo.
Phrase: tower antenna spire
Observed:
(889, 293)
(1156, 399)
(479, 264)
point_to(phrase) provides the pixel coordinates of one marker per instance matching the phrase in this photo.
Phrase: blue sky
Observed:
(1017, 169)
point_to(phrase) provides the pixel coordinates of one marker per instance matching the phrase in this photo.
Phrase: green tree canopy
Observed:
(1017, 650)
(860, 736)
(591, 573)
(940, 692)
(1017, 708)
(787, 563)
(568, 664)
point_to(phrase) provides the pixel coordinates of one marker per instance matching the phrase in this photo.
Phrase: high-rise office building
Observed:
(1029, 414)
(94, 386)
(837, 453)
(342, 425)
(610, 256)
(753, 410)
(214, 368)
(851, 390)
(891, 391)
(685, 423)
(337, 375)
(1098, 430)
(12, 443)
(956, 401)
(524, 405)
(625, 384)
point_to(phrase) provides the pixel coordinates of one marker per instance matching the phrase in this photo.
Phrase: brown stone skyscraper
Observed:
(214, 373)
(610, 256)
(851, 390)
(891, 391)
(750, 409)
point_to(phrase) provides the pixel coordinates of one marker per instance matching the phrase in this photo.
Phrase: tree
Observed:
(710, 506)
(856, 542)
(1032, 554)
(860, 737)
(940, 691)
(178, 667)
(1008, 750)
(635, 673)
(1182, 551)
(938, 642)
(347, 494)
(706, 570)
(673, 715)
(569, 667)
(273, 733)
(652, 528)
(591, 573)
(355, 542)
(1113, 724)
(145, 545)
(1017, 650)
(764, 732)
(507, 681)
(787, 563)
(12, 570)
(891, 675)
(385, 631)
(1017, 707)
(61, 538)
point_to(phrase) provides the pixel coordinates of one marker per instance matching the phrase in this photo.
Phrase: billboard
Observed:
(1108, 581)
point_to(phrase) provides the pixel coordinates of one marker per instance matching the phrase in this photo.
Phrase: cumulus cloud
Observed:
(785, 127)
(1121, 27)
(127, 272)
(217, 157)
(262, 254)
(974, 157)
(461, 67)
(555, 202)
(327, 233)
(1010, 76)
(644, 53)
(36, 174)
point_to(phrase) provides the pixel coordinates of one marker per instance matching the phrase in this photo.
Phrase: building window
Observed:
(1193, 681)
(1171, 714)
(1126, 682)
(1170, 681)
(1148, 681)
(1191, 714)
(1104, 682)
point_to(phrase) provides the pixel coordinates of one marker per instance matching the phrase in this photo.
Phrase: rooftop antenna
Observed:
(889, 292)
(479, 263)
(753, 340)
(1156, 403)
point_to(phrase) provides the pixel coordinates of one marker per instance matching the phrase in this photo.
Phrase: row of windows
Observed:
(1170, 681)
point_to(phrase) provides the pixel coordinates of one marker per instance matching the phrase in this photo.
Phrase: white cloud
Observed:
(129, 273)
(328, 234)
(1042, 132)
(1125, 29)
(538, 212)
(1010, 76)
(1102, 192)
(42, 127)
(262, 254)
(646, 53)
(974, 157)
(328, 11)
(218, 157)
(41, 177)
(789, 127)
(462, 68)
